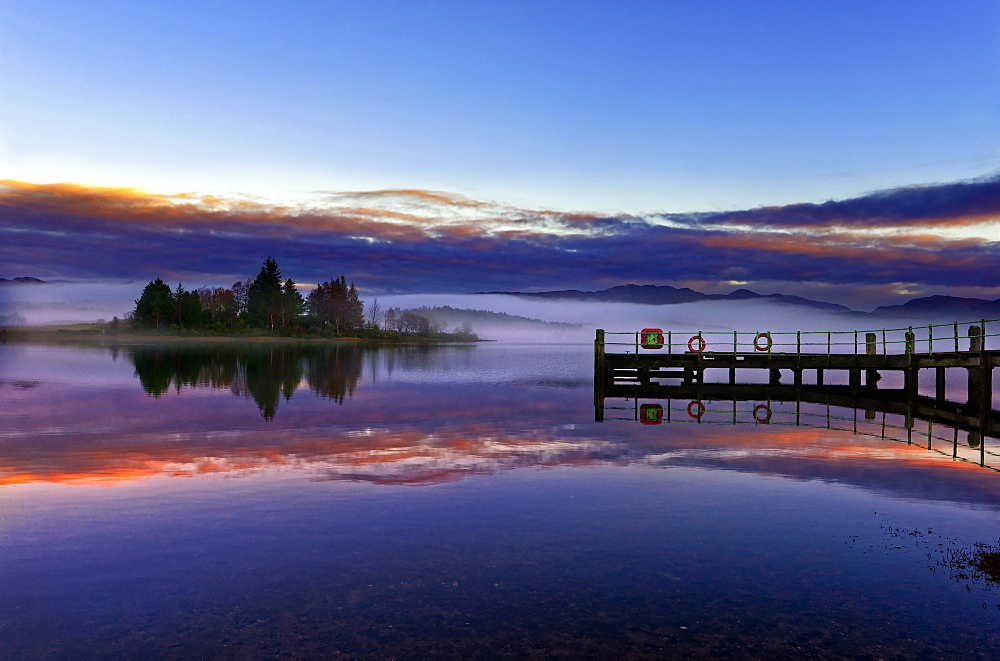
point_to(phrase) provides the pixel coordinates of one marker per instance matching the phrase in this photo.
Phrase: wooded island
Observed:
(266, 305)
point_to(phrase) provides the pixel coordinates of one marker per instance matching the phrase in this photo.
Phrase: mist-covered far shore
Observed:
(539, 319)
(67, 302)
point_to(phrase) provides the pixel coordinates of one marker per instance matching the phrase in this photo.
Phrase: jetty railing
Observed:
(953, 337)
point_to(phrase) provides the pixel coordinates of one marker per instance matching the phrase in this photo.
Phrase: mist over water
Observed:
(69, 302)
(708, 316)
(569, 322)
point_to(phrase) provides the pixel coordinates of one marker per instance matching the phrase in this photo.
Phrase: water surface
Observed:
(408, 502)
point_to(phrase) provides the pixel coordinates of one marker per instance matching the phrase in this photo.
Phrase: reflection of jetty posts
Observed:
(638, 358)
(767, 405)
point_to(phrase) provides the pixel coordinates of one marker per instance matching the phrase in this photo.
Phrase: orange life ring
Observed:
(701, 344)
(651, 338)
(650, 414)
(767, 414)
(696, 403)
(766, 347)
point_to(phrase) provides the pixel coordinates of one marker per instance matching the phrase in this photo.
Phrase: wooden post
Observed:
(939, 384)
(872, 376)
(975, 338)
(600, 367)
(854, 374)
(699, 372)
(980, 385)
(974, 439)
(600, 362)
(910, 374)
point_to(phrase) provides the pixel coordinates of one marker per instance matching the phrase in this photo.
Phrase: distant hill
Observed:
(952, 307)
(24, 280)
(450, 316)
(666, 295)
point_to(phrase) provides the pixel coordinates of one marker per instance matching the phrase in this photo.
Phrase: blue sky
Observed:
(607, 107)
(516, 145)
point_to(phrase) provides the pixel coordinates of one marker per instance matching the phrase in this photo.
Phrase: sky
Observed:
(845, 151)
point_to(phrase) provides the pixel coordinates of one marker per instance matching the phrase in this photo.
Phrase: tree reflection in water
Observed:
(264, 373)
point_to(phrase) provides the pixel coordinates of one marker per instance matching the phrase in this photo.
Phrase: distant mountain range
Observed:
(935, 307)
(667, 295)
(22, 281)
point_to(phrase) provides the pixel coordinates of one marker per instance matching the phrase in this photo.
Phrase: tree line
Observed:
(268, 304)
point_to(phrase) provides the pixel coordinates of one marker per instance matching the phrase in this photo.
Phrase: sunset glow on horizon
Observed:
(847, 153)
(913, 240)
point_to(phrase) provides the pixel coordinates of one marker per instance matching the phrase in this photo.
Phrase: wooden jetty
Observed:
(643, 360)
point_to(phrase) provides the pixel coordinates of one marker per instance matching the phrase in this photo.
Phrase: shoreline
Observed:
(88, 334)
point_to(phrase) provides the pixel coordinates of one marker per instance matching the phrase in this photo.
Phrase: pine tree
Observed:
(292, 304)
(264, 296)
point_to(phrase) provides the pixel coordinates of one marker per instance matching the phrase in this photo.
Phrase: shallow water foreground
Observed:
(456, 502)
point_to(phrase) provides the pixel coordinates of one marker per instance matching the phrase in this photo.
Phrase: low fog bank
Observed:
(67, 302)
(751, 315)
(88, 302)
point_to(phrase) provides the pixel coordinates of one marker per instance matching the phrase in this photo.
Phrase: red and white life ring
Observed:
(767, 344)
(701, 344)
(767, 414)
(696, 409)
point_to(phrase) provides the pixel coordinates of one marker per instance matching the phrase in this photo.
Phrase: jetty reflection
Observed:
(958, 430)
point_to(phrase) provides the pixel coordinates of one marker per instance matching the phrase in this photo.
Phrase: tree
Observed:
(155, 307)
(354, 313)
(465, 332)
(374, 315)
(292, 304)
(264, 296)
(187, 308)
(240, 289)
(416, 323)
(220, 306)
(391, 319)
(337, 304)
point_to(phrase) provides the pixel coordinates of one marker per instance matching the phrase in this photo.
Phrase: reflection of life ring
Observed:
(767, 413)
(701, 344)
(699, 409)
(767, 344)
(651, 338)
(650, 414)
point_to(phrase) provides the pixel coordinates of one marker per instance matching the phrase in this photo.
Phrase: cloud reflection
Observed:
(340, 420)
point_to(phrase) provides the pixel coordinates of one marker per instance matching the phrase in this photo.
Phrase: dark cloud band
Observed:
(74, 231)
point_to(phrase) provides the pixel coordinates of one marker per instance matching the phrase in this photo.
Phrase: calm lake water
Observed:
(455, 502)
